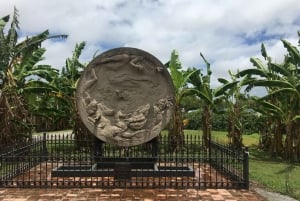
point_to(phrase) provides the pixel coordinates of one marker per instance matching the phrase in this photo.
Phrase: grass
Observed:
(268, 172)
(278, 176)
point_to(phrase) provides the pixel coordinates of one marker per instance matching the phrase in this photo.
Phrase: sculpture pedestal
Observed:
(125, 167)
(122, 170)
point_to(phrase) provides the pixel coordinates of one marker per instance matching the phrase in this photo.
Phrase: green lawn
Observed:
(271, 173)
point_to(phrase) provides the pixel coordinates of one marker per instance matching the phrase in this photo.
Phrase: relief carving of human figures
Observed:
(161, 109)
(97, 112)
(123, 98)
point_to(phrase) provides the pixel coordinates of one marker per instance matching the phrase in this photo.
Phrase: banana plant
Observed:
(56, 108)
(231, 93)
(18, 65)
(202, 88)
(282, 100)
(70, 75)
(180, 80)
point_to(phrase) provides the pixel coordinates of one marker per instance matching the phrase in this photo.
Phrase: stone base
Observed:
(122, 170)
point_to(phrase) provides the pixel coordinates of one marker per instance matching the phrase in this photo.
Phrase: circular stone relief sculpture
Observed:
(125, 96)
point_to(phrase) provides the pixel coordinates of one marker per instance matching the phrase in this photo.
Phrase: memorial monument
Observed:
(125, 97)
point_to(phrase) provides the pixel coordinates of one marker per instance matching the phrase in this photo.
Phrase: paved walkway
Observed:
(127, 195)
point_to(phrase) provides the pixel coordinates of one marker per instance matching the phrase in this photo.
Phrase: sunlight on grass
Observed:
(281, 177)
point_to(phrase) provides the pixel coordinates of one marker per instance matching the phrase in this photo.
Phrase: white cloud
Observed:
(227, 32)
(57, 52)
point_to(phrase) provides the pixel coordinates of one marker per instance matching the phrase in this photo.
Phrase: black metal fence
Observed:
(61, 161)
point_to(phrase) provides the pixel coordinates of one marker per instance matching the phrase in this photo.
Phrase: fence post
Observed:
(246, 167)
(97, 149)
(45, 151)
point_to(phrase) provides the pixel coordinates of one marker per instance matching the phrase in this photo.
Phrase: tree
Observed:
(203, 90)
(190, 103)
(70, 75)
(180, 80)
(282, 103)
(56, 108)
(235, 107)
(18, 64)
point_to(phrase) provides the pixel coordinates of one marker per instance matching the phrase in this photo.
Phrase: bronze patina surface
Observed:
(125, 96)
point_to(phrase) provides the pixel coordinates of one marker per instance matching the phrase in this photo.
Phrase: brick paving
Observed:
(41, 175)
(77, 194)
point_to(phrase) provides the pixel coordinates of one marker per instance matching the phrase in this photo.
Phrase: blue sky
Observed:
(227, 32)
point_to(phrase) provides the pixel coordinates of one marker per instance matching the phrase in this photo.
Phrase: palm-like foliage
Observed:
(180, 80)
(68, 79)
(55, 109)
(72, 71)
(281, 105)
(70, 75)
(235, 106)
(18, 64)
(204, 91)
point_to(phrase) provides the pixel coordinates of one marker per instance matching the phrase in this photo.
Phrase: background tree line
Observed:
(250, 121)
(41, 98)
